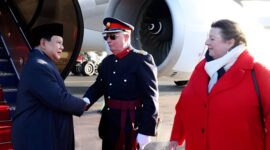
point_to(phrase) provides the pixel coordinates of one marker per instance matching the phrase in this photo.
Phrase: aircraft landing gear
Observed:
(180, 83)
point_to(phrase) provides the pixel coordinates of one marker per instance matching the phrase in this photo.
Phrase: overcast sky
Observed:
(259, 9)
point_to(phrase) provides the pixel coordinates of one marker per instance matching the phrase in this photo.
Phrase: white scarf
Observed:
(225, 61)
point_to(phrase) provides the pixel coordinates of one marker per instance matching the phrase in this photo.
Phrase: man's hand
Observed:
(143, 140)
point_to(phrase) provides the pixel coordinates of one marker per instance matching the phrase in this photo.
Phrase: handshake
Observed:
(87, 101)
(142, 140)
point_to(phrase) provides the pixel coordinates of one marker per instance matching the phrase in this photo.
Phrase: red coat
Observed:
(228, 117)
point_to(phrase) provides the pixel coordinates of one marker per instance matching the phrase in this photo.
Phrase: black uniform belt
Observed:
(125, 107)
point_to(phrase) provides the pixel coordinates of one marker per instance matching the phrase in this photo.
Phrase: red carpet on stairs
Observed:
(1, 94)
(6, 146)
(4, 113)
(5, 134)
(5, 124)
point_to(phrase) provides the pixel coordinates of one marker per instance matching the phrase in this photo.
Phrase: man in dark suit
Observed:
(128, 81)
(44, 108)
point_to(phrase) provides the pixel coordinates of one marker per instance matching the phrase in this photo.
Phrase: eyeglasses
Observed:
(111, 36)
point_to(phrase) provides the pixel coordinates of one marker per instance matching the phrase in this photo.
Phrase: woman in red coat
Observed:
(219, 108)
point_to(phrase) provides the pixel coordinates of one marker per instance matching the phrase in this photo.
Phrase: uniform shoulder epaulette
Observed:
(142, 52)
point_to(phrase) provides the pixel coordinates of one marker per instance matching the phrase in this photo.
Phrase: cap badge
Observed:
(108, 24)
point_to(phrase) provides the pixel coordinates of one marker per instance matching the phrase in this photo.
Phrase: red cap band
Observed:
(117, 26)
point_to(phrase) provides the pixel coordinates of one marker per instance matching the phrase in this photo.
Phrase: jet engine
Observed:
(173, 31)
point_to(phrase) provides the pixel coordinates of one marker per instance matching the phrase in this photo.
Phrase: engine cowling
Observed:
(173, 31)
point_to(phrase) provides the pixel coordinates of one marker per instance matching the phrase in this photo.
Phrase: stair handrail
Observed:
(9, 56)
(18, 25)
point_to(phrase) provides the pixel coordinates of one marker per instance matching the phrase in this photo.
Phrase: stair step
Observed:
(3, 53)
(1, 95)
(4, 112)
(3, 60)
(6, 146)
(5, 66)
(5, 132)
(6, 123)
(5, 74)
(3, 102)
(8, 79)
(10, 95)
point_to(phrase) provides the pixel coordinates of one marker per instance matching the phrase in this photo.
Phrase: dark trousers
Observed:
(110, 142)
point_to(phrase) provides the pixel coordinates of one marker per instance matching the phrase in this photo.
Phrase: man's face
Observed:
(117, 41)
(53, 48)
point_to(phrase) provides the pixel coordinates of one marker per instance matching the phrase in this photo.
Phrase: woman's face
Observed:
(218, 46)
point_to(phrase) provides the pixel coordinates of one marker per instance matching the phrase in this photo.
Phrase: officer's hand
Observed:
(143, 140)
(173, 145)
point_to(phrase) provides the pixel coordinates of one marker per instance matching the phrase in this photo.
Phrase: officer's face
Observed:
(117, 41)
(54, 47)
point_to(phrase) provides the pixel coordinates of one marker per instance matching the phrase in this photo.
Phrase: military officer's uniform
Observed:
(128, 83)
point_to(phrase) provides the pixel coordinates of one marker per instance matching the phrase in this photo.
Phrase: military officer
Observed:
(128, 81)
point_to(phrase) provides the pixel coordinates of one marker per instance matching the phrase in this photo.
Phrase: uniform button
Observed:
(108, 97)
(202, 130)
(100, 79)
(114, 72)
(116, 61)
(110, 84)
(108, 108)
(125, 80)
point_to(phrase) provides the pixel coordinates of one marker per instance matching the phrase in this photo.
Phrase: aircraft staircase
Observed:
(8, 93)
(17, 18)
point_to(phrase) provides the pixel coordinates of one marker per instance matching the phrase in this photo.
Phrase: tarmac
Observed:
(86, 126)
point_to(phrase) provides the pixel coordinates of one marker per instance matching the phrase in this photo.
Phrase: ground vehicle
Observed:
(87, 63)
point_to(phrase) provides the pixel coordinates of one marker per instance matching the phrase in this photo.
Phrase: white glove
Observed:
(173, 145)
(86, 100)
(143, 140)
